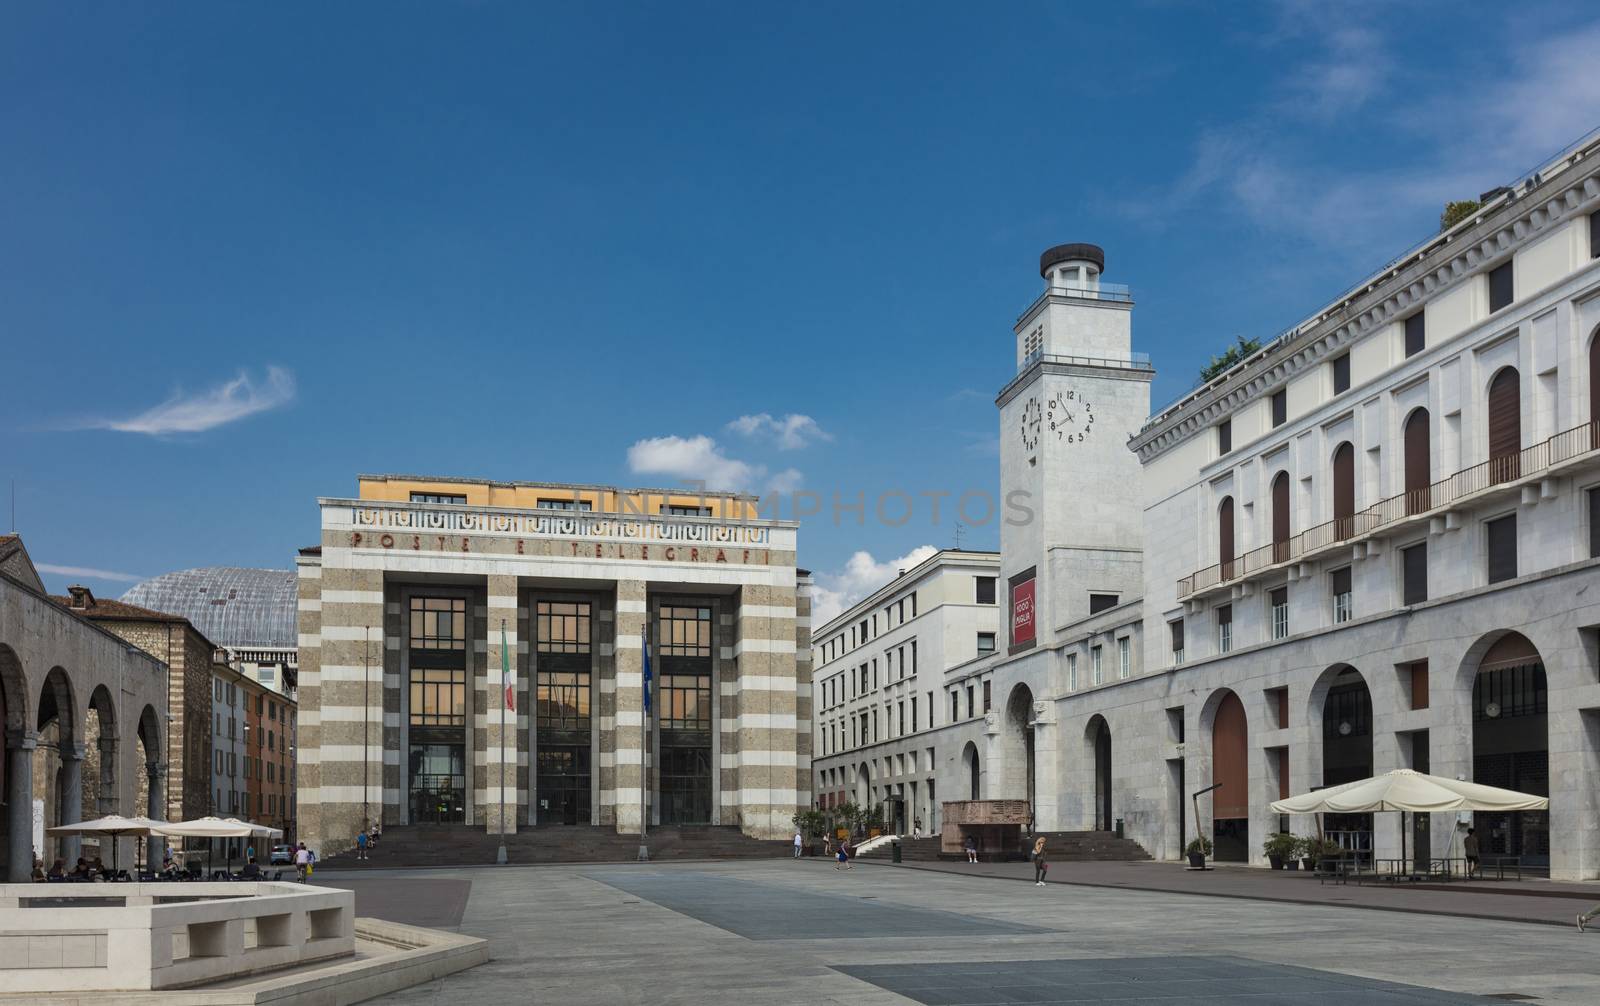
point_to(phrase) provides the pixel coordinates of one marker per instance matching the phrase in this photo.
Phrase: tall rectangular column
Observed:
(768, 710)
(19, 806)
(631, 767)
(501, 722)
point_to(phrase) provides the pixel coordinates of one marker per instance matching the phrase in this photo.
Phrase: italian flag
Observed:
(505, 671)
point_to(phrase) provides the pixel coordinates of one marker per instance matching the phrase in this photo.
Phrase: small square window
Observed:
(1100, 602)
(1500, 287)
(1416, 334)
(985, 643)
(1341, 373)
(984, 589)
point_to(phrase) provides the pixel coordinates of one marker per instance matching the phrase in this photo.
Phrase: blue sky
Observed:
(249, 252)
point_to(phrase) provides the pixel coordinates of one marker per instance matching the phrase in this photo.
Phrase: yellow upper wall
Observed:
(527, 497)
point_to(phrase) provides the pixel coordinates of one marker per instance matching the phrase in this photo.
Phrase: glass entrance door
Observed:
(438, 784)
(683, 712)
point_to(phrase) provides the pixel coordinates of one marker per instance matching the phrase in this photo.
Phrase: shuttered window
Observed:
(1341, 373)
(1339, 587)
(1344, 490)
(1505, 425)
(1224, 436)
(1500, 287)
(1594, 523)
(1280, 517)
(1176, 628)
(1414, 574)
(1280, 408)
(1225, 628)
(1502, 548)
(1417, 461)
(1225, 536)
(1416, 334)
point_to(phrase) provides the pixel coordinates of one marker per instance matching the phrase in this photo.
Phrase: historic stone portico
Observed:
(418, 584)
(66, 684)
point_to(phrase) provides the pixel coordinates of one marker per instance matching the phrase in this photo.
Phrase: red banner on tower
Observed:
(1022, 612)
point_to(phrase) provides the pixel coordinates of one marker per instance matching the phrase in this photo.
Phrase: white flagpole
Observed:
(505, 686)
(644, 745)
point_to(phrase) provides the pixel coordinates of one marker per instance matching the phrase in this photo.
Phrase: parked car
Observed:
(282, 855)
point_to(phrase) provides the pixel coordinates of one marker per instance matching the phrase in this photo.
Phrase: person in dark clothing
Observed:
(1040, 867)
(1469, 848)
(252, 870)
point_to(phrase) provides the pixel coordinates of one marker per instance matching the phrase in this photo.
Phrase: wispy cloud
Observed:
(206, 410)
(790, 433)
(1270, 163)
(861, 575)
(88, 573)
(701, 459)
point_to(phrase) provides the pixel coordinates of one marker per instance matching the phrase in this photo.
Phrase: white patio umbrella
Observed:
(206, 827)
(256, 831)
(114, 825)
(1405, 790)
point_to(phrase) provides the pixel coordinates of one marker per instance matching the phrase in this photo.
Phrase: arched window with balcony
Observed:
(1344, 491)
(1505, 425)
(1280, 517)
(1225, 537)
(1418, 461)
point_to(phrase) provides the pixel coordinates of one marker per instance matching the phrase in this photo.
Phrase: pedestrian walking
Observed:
(971, 846)
(1040, 867)
(302, 862)
(916, 827)
(361, 845)
(844, 855)
(1469, 848)
(1583, 919)
(799, 843)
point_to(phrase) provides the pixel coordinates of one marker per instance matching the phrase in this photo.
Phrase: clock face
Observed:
(1031, 424)
(1070, 417)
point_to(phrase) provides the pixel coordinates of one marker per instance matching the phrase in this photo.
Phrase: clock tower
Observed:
(1072, 538)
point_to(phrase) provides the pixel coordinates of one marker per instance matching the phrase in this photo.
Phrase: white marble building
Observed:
(1371, 544)
(899, 683)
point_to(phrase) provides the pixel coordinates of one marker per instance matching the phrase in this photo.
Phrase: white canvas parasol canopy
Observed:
(206, 827)
(1408, 790)
(257, 830)
(114, 825)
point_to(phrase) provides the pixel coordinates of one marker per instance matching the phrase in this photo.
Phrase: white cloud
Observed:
(226, 403)
(1482, 132)
(792, 432)
(88, 573)
(696, 458)
(861, 575)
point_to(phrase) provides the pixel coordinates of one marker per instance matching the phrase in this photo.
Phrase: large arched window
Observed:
(1418, 463)
(1225, 537)
(1280, 517)
(1505, 425)
(1344, 491)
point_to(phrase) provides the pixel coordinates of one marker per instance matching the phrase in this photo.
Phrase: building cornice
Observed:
(1568, 189)
(912, 576)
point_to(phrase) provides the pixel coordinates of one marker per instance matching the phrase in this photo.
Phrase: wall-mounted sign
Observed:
(1023, 612)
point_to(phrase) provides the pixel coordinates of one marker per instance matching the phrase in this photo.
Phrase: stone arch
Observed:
(1510, 740)
(100, 755)
(1019, 749)
(974, 771)
(58, 762)
(1225, 727)
(1341, 722)
(1097, 745)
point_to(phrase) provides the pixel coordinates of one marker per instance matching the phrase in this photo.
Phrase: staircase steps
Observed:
(463, 845)
(1060, 847)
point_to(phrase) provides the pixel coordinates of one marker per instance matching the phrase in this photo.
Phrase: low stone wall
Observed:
(88, 937)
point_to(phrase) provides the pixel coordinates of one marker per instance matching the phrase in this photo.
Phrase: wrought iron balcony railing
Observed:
(1441, 495)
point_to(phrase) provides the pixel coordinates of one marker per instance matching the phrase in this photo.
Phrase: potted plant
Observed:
(1313, 850)
(1280, 849)
(1199, 848)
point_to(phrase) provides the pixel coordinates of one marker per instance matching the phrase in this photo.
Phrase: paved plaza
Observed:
(800, 932)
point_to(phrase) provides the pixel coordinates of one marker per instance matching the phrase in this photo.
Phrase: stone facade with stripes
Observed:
(357, 730)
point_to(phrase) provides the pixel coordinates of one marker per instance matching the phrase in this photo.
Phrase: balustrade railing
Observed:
(1529, 461)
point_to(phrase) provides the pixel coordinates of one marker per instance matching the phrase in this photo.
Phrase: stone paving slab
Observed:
(768, 912)
(1141, 981)
(559, 935)
(1537, 901)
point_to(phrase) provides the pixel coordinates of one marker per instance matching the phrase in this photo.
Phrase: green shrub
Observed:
(1241, 348)
(1457, 211)
(1200, 844)
(1281, 846)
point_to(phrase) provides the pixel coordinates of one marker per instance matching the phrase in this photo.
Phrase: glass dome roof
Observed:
(232, 606)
